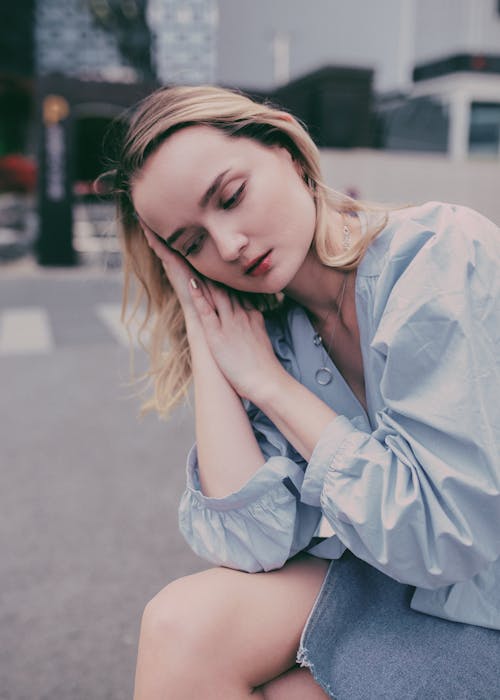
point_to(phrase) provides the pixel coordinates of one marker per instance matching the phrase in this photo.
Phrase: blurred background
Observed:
(403, 98)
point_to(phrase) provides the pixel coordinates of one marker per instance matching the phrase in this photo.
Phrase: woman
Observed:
(355, 421)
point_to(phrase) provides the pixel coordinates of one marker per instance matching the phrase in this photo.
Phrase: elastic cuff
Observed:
(322, 457)
(268, 477)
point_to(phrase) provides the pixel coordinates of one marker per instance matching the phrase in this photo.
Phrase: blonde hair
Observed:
(157, 117)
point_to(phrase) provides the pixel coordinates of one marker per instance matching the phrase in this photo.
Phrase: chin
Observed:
(274, 282)
(271, 284)
(287, 278)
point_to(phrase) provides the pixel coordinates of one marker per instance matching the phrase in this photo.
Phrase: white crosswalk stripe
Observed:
(29, 330)
(25, 331)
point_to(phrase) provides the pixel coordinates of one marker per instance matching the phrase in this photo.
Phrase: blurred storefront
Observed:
(68, 70)
(17, 157)
(92, 61)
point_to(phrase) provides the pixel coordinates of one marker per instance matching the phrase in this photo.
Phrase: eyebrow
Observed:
(202, 204)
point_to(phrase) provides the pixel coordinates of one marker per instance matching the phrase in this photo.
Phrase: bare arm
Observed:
(228, 452)
(239, 341)
(297, 413)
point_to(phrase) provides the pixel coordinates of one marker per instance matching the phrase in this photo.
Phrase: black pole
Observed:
(55, 232)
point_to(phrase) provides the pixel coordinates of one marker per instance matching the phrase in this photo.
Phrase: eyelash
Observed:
(228, 204)
(235, 198)
(194, 247)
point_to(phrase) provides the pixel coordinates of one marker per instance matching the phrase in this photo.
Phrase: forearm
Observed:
(297, 413)
(228, 452)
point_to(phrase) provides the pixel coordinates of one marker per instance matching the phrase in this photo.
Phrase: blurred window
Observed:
(484, 131)
(415, 124)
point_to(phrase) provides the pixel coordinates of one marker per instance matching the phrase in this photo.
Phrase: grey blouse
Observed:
(412, 485)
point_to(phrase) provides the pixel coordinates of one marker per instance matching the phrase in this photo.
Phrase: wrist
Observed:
(197, 340)
(266, 391)
(193, 325)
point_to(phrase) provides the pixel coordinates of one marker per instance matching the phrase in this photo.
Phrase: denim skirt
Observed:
(362, 641)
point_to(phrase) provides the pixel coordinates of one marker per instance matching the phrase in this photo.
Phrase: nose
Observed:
(229, 244)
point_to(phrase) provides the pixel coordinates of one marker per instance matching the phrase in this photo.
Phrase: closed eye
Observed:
(194, 246)
(235, 197)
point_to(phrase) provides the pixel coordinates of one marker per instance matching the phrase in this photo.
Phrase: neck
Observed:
(316, 286)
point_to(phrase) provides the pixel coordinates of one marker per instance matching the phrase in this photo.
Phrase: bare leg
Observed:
(223, 633)
(297, 684)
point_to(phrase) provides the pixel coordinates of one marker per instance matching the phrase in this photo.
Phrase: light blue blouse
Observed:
(412, 485)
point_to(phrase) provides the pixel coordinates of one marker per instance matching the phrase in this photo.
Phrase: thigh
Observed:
(253, 622)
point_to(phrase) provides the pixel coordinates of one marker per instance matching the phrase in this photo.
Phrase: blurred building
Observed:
(83, 52)
(453, 108)
(334, 102)
(17, 169)
(435, 64)
(78, 66)
(16, 75)
(452, 104)
(267, 43)
(90, 57)
(395, 75)
(93, 59)
(184, 40)
(94, 40)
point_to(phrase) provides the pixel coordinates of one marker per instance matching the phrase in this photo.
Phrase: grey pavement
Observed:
(88, 495)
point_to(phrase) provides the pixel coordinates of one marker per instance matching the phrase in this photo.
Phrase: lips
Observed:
(259, 265)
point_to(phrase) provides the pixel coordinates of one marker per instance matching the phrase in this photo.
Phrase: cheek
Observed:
(297, 201)
(307, 218)
(210, 269)
(298, 216)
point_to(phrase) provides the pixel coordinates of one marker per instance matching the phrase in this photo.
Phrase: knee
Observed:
(168, 616)
(184, 619)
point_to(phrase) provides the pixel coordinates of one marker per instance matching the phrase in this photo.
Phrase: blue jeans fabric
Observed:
(363, 642)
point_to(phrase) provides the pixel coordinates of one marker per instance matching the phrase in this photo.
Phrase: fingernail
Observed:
(193, 283)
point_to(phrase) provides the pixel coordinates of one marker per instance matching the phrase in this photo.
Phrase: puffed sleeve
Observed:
(419, 497)
(263, 524)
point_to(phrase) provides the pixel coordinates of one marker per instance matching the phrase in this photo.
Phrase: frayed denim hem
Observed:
(303, 658)
(304, 662)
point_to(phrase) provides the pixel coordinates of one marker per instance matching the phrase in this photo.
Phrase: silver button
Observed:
(323, 376)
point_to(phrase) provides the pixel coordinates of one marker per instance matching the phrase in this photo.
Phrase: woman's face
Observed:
(238, 211)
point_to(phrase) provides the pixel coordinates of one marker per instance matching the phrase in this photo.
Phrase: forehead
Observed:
(185, 164)
(193, 151)
(192, 143)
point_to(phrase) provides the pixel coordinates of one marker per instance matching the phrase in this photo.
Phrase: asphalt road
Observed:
(88, 491)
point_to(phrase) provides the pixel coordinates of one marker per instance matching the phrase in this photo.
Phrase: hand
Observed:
(177, 270)
(237, 339)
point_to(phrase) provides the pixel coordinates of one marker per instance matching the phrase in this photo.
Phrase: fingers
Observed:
(178, 272)
(207, 288)
(215, 303)
(230, 305)
(221, 298)
(205, 309)
(159, 249)
(176, 268)
(156, 246)
(240, 301)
